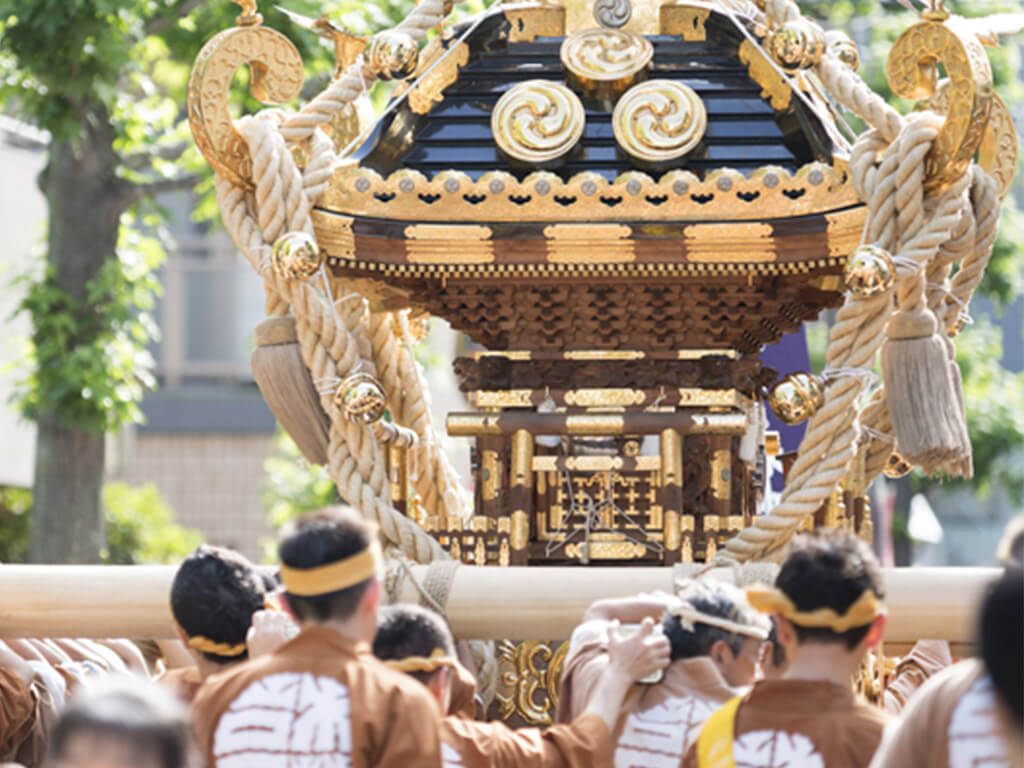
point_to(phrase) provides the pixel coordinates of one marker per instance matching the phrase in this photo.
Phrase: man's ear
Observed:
(784, 630)
(721, 653)
(371, 599)
(873, 638)
(439, 688)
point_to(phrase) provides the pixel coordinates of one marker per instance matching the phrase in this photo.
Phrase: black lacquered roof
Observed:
(744, 132)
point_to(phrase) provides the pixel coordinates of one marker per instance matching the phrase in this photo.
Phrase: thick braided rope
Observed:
(354, 81)
(429, 471)
(327, 344)
(828, 446)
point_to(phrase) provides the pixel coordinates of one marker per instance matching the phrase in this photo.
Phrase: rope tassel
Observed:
(924, 394)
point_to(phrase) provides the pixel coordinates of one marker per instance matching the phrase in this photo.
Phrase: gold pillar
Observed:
(720, 479)
(520, 495)
(398, 477)
(671, 481)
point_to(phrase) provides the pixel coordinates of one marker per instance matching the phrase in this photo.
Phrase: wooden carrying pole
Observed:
(539, 603)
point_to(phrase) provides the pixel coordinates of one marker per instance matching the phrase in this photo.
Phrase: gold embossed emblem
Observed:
(605, 62)
(537, 121)
(659, 120)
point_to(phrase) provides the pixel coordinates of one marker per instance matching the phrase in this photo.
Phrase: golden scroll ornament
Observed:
(797, 397)
(295, 256)
(605, 62)
(537, 121)
(868, 272)
(659, 120)
(362, 399)
(276, 78)
(912, 72)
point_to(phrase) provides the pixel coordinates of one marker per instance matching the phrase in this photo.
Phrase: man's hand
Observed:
(269, 631)
(641, 655)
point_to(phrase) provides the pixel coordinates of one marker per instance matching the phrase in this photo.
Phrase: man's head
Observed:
(122, 723)
(773, 660)
(1002, 642)
(734, 649)
(214, 594)
(828, 591)
(329, 565)
(409, 632)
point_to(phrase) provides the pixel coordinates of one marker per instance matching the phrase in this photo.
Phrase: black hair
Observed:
(1002, 638)
(778, 649)
(405, 630)
(321, 539)
(132, 711)
(214, 594)
(829, 569)
(716, 599)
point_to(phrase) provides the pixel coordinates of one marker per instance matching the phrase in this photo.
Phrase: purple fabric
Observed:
(789, 355)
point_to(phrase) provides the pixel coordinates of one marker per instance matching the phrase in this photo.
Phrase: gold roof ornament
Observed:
(537, 121)
(603, 63)
(659, 120)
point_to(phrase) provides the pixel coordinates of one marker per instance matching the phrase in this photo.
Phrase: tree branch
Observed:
(140, 161)
(183, 8)
(131, 193)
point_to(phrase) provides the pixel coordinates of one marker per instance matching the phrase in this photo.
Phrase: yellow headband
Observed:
(333, 577)
(206, 645)
(435, 661)
(771, 600)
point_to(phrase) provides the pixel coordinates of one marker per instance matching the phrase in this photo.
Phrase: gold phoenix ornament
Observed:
(797, 44)
(896, 466)
(605, 62)
(537, 121)
(868, 271)
(393, 54)
(296, 256)
(797, 397)
(361, 398)
(659, 120)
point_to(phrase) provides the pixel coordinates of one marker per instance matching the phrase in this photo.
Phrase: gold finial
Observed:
(936, 11)
(250, 16)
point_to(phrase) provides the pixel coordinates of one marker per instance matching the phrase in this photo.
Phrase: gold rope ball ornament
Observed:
(797, 44)
(840, 45)
(537, 121)
(295, 256)
(896, 466)
(868, 272)
(797, 397)
(659, 120)
(393, 54)
(361, 398)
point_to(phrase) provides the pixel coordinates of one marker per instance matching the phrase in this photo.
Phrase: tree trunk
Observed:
(85, 200)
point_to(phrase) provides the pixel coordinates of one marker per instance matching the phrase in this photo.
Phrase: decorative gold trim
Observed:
(601, 354)
(502, 398)
(772, 443)
(537, 121)
(594, 398)
(659, 120)
(774, 87)
(430, 90)
(519, 533)
(607, 550)
(844, 230)
(604, 354)
(596, 463)
(997, 152)
(708, 398)
(603, 63)
(685, 19)
(530, 22)
(589, 243)
(460, 232)
(334, 233)
(724, 194)
(730, 242)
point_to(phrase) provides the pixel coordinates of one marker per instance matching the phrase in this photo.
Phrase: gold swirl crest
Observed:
(605, 62)
(537, 121)
(659, 120)
(912, 72)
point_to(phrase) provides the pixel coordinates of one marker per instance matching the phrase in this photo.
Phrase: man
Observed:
(417, 642)
(828, 612)
(214, 595)
(27, 711)
(715, 641)
(321, 697)
(123, 723)
(971, 714)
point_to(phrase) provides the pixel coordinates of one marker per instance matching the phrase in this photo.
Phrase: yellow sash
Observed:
(714, 745)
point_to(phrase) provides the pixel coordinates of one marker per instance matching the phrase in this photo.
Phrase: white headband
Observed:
(689, 616)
